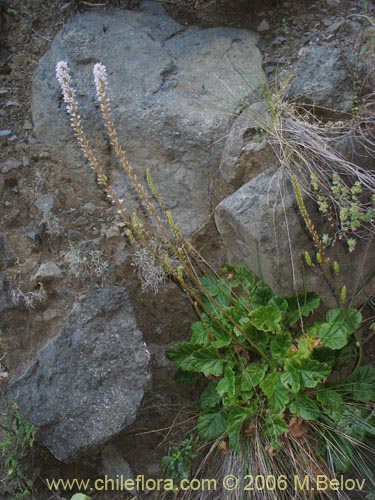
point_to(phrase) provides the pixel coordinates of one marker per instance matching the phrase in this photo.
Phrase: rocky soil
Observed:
(64, 260)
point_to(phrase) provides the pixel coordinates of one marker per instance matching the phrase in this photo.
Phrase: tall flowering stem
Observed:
(171, 234)
(324, 262)
(101, 84)
(188, 257)
(136, 232)
(64, 79)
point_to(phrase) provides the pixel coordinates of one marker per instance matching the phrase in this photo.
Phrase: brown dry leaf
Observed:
(298, 427)
(251, 429)
(270, 450)
(224, 447)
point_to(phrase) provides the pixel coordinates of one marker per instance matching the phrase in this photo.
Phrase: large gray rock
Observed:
(322, 80)
(246, 152)
(261, 228)
(47, 271)
(86, 385)
(174, 93)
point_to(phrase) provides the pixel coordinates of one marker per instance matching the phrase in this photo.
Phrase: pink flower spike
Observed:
(100, 78)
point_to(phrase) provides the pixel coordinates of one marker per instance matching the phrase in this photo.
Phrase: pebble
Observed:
(5, 133)
(334, 27)
(44, 203)
(34, 233)
(279, 40)
(264, 26)
(47, 270)
(8, 258)
(26, 161)
(9, 165)
(120, 256)
(27, 125)
(11, 104)
(89, 208)
(45, 155)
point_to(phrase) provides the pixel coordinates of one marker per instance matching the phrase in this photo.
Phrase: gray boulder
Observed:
(86, 385)
(47, 271)
(246, 153)
(261, 228)
(174, 92)
(322, 81)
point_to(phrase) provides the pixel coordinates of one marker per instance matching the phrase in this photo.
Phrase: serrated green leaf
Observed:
(330, 335)
(80, 496)
(245, 277)
(280, 303)
(207, 361)
(266, 318)
(262, 339)
(209, 397)
(210, 284)
(360, 384)
(304, 407)
(222, 338)
(349, 322)
(236, 418)
(241, 306)
(252, 376)
(218, 288)
(291, 379)
(223, 298)
(305, 345)
(193, 357)
(280, 345)
(302, 304)
(274, 427)
(310, 371)
(226, 385)
(186, 378)
(261, 295)
(181, 355)
(212, 425)
(199, 334)
(331, 401)
(276, 392)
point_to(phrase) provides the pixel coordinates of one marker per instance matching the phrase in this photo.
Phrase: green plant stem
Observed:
(325, 263)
